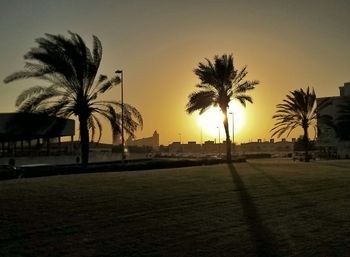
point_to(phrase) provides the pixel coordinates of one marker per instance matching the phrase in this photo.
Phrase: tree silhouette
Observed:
(70, 68)
(299, 109)
(220, 83)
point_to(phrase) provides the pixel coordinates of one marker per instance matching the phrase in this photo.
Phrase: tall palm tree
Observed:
(220, 83)
(70, 68)
(299, 109)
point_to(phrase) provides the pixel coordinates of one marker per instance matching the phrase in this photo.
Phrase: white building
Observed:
(152, 141)
(327, 140)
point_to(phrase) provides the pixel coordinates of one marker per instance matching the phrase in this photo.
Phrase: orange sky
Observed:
(285, 44)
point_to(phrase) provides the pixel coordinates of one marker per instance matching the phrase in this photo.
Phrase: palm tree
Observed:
(299, 109)
(70, 68)
(220, 83)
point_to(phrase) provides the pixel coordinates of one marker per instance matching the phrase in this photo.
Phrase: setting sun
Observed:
(213, 118)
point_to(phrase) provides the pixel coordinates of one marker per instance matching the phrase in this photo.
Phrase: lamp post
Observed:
(122, 96)
(180, 150)
(201, 140)
(233, 129)
(201, 135)
(219, 141)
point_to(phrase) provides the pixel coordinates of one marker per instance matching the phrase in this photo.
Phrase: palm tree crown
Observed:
(297, 110)
(220, 83)
(70, 68)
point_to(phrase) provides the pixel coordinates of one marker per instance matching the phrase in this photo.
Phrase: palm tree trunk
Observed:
(306, 143)
(228, 141)
(84, 141)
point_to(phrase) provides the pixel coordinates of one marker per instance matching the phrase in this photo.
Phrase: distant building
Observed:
(327, 140)
(191, 147)
(282, 147)
(152, 141)
(210, 147)
(175, 147)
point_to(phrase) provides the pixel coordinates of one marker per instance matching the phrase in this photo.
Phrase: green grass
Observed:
(259, 208)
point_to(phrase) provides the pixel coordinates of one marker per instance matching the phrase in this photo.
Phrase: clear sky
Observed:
(285, 44)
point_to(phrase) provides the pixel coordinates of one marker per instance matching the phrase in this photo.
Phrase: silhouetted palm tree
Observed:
(299, 109)
(220, 83)
(71, 69)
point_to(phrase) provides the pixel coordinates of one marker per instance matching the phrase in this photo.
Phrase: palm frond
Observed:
(135, 115)
(33, 103)
(201, 101)
(97, 51)
(56, 109)
(245, 86)
(29, 93)
(243, 99)
(101, 78)
(22, 75)
(108, 84)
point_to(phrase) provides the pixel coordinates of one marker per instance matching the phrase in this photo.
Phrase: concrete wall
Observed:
(69, 159)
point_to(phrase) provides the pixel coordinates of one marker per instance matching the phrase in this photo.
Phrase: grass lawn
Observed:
(259, 208)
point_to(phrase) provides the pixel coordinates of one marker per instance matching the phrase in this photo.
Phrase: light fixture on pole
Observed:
(201, 140)
(219, 133)
(219, 140)
(180, 137)
(122, 98)
(233, 129)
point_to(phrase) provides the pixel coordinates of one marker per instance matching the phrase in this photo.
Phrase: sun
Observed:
(211, 121)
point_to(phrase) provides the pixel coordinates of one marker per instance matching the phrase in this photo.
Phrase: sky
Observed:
(286, 45)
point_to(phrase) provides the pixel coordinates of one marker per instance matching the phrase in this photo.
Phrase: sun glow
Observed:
(211, 121)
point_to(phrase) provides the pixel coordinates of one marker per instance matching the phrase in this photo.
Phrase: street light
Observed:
(122, 96)
(201, 135)
(219, 133)
(233, 129)
(180, 138)
(219, 141)
(201, 140)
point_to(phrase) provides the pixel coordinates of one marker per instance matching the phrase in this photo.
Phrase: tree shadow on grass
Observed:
(335, 245)
(261, 235)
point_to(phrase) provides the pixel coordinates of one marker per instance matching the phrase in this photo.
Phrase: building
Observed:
(282, 147)
(34, 134)
(327, 141)
(191, 147)
(175, 147)
(152, 141)
(210, 147)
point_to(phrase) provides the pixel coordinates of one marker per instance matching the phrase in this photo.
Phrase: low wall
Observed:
(69, 159)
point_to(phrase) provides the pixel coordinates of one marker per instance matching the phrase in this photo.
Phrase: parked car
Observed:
(7, 171)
